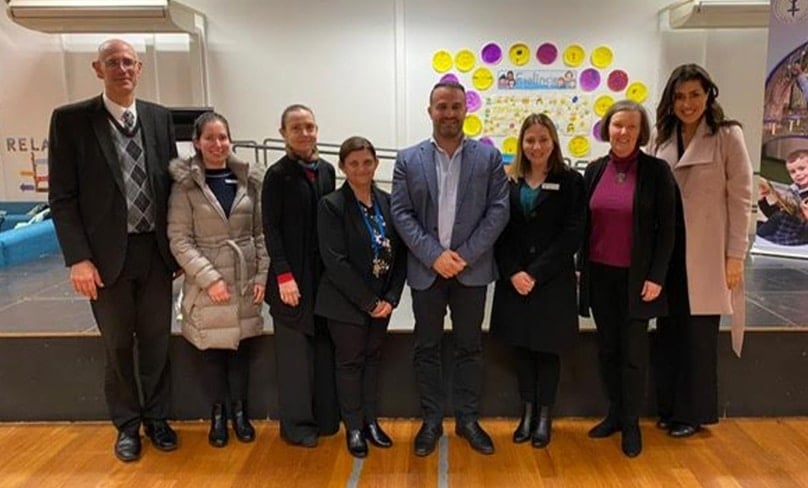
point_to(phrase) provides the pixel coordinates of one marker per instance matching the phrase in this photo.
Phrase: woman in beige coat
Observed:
(215, 233)
(714, 178)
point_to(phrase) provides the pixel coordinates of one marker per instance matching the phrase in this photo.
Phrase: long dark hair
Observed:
(666, 120)
(555, 162)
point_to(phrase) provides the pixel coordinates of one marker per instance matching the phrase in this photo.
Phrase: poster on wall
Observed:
(782, 226)
(571, 84)
(25, 167)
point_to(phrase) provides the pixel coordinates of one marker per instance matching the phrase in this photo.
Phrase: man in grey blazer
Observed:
(449, 204)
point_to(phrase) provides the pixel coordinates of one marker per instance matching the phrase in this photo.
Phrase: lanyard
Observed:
(379, 221)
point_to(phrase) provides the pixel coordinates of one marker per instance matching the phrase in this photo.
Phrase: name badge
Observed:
(550, 186)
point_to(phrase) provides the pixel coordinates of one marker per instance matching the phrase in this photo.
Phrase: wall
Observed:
(364, 66)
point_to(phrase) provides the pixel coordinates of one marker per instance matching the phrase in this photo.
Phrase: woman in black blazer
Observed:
(365, 267)
(535, 298)
(292, 189)
(625, 254)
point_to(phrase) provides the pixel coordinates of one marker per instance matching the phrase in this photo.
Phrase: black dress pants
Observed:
(622, 342)
(358, 352)
(226, 373)
(307, 396)
(466, 305)
(538, 374)
(134, 317)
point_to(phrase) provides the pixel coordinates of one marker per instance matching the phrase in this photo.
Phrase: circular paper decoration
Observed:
(602, 104)
(519, 54)
(601, 57)
(473, 101)
(482, 79)
(547, 53)
(465, 60)
(618, 80)
(637, 92)
(596, 131)
(579, 146)
(509, 145)
(491, 53)
(574, 55)
(449, 78)
(442, 61)
(487, 141)
(472, 126)
(589, 79)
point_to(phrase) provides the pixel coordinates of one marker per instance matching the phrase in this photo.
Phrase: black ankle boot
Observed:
(217, 437)
(241, 423)
(357, 445)
(522, 432)
(543, 428)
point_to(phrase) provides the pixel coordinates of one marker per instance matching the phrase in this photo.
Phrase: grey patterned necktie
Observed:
(128, 120)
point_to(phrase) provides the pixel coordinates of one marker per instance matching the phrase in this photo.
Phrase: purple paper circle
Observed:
(487, 141)
(589, 79)
(618, 80)
(449, 78)
(491, 53)
(596, 131)
(473, 101)
(547, 53)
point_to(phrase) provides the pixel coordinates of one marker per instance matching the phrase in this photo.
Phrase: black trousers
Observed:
(307, 396)
(622, 342)
(466, 305)
(134, 317)
(686, 368)
(226, 373)
(538, 374)
(358, 352)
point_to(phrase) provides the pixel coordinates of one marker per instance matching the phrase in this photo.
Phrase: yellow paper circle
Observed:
(637, 92)
(579, 146)
(601, 57)
(472, 126)
(482, 78)
(442, 61)
(464, 60)
(519, 54)
(509, 145)
(602, 104)
(574, 55)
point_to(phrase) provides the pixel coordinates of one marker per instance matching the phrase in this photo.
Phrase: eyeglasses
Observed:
(125, 63)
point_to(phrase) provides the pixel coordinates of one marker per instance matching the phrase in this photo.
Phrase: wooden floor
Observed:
(734, 453)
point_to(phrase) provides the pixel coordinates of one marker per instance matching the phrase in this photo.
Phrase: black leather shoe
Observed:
(522, 432)
(127, 447)
(631, 443)
(540, 437)
(308, 440)
(244, 430)
(217, 436)
(683, 430)
(356, 443)
(427, 438)
(374, 433)
(477, 437)
(605, 428)
(161, 434)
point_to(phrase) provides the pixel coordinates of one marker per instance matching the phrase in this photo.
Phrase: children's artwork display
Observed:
(572, 84)
(782, 224)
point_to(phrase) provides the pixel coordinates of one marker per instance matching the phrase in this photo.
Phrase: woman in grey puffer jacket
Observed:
(216, 235)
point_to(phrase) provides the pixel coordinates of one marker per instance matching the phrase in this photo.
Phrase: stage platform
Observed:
(51, 356)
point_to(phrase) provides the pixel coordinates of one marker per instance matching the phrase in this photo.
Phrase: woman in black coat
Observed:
(365, 268)
(534, 300)
(305, 354)
(624, 259)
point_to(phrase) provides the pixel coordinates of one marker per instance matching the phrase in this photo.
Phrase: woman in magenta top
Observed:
(623, 261)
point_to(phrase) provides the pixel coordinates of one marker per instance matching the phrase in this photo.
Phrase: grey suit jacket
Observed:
(481, 214)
